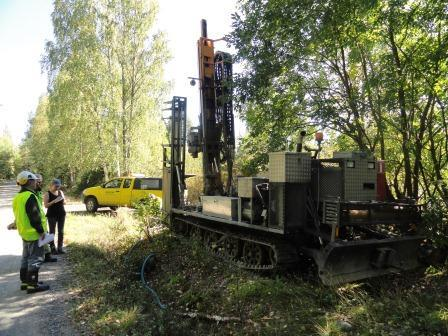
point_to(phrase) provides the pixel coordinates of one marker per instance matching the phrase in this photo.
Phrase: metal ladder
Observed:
(174, 152)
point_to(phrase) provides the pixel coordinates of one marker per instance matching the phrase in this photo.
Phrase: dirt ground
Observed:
(25, 314)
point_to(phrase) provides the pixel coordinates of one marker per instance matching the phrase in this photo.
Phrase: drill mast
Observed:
(216, 135)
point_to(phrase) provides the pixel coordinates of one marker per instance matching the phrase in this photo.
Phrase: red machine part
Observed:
(381, 180)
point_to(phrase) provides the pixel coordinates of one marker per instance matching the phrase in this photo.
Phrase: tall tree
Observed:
(105, 90)
(138, 64)
(371, 71)
(35, 147)
(7, 156)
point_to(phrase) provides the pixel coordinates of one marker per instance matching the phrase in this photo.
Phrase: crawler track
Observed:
(246, 251)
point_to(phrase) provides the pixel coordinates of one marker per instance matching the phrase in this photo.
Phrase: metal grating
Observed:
(356, 180)
(289, 167)
(331, 212)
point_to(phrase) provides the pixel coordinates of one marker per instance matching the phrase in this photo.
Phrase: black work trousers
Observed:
(59, 221)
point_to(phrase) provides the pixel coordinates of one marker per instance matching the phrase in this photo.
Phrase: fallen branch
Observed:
(215, 318)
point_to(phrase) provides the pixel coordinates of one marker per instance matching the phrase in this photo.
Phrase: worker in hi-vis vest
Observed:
(30, 218)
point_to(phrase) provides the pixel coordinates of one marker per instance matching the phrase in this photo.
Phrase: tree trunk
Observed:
(101, 143)
(117, 151)
(351, 100)
(375, 110)
(124, 122)
(404, 129)
(439, 184)
(419, 144)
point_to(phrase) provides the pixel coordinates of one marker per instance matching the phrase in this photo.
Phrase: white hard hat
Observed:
(24, 176)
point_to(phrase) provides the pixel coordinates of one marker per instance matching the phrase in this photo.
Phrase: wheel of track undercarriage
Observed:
(253, 253)
(232, 247)
(196, 233)
(180, 227)
(211, 239)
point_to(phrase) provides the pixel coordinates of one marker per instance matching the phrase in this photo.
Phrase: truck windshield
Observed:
(113, 184)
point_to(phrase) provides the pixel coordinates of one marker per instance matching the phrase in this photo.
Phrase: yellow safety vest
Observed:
(26, 231)
(42, 212)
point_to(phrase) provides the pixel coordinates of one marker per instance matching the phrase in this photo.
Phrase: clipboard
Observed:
(47, 238)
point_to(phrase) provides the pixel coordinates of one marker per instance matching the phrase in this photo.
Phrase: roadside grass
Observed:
(201, 291)
(71, 198)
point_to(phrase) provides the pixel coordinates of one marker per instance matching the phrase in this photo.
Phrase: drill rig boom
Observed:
(215, 136)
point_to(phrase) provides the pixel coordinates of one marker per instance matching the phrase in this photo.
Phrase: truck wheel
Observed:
(91, 204)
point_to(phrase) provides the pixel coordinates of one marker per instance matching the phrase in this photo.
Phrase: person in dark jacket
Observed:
(54, 201)
(38, 192)
(29, 219)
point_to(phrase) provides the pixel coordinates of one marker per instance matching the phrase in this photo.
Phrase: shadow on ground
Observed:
(39, 313)
(80, 212)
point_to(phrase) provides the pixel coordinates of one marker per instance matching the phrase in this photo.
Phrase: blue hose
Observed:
(150, 259)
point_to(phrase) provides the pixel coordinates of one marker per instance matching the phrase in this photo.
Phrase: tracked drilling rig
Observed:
(331, 211)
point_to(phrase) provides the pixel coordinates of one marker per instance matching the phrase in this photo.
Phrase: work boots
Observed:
(60, 243)
(23, 284)
(53, 248)
(33, 285)
(23, 280)
(60, 250)
(49, 258)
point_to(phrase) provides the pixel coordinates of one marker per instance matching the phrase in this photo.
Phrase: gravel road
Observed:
(24, 314)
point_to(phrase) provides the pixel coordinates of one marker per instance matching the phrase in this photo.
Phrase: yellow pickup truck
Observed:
(121, 191)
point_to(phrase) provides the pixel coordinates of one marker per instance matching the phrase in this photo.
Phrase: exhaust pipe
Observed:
(300, 141)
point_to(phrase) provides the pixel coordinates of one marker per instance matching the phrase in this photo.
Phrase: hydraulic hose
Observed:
(149, 260)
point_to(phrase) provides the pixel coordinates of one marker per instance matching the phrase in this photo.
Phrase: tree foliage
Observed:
(373, 72)
(102, 110)
(8, 157)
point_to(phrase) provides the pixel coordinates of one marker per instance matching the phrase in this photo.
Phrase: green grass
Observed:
(111, 300)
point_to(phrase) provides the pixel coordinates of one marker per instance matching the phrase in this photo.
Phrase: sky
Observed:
(25, 26)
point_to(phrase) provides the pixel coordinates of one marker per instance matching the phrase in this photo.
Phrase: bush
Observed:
(89, 179)
(194, 188)
(148, 213)
(435, 222)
